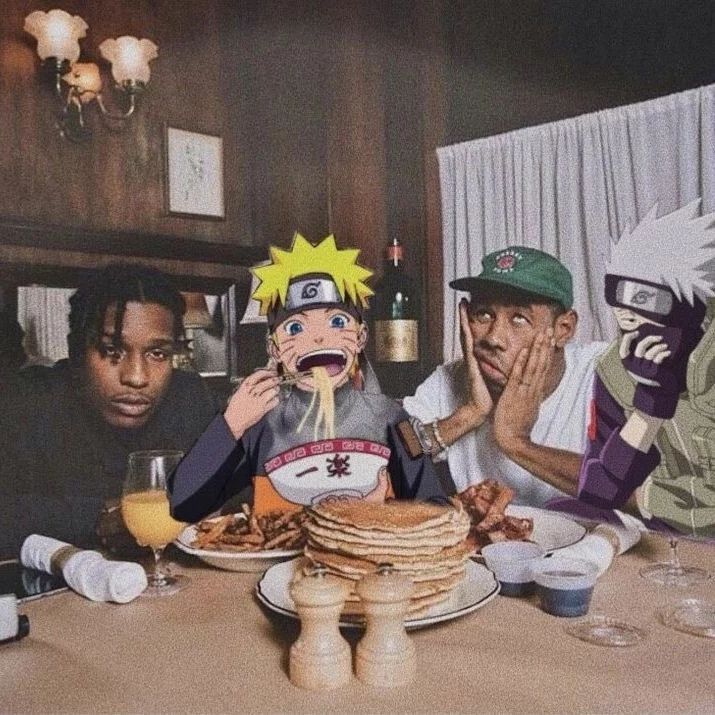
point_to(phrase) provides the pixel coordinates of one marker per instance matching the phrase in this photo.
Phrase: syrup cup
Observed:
(513, 563)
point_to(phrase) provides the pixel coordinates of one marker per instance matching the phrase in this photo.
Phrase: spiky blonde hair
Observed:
(676, 250)
(304, 258)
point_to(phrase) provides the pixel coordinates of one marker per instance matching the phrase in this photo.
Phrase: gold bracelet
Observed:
(61, 557)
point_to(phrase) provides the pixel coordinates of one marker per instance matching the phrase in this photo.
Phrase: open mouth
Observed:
(332, 360)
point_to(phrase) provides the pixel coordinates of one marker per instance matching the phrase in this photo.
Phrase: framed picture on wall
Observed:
(194, 174)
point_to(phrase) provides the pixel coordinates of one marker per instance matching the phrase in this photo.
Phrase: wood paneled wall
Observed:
(318, 104)
(115, 181)
(330, 111)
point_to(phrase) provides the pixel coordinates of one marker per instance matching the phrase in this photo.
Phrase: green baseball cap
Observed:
(526, 269)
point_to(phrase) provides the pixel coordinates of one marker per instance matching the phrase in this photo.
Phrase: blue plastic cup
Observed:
(565, 586)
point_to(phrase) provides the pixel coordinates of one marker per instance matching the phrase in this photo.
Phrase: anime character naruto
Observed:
(653, 412)
(271, 435)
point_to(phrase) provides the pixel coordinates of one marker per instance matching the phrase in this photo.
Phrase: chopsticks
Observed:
(286, 378)
(290, 378)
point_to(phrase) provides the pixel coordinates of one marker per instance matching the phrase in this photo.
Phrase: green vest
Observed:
(681, 489)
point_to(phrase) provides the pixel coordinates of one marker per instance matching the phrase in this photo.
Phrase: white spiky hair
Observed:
(676, 250)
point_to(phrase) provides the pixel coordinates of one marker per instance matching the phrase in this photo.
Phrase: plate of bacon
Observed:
(494, 519)
(245, 541)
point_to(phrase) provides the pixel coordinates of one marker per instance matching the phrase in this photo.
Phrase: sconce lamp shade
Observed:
(130, 58)
(85, 78)
(197, 314)
(57, 33)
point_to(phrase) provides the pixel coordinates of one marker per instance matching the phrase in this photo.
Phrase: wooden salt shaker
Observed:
(320, 659)
(385, 656)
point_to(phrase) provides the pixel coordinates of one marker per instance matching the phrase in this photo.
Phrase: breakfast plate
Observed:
(478, 588)
(253, 561)
(551, 531)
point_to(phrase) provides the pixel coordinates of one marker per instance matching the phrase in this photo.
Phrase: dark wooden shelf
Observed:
(60, 255)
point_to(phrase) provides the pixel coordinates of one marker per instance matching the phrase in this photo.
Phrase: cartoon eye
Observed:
(339, 321)
(294, 327)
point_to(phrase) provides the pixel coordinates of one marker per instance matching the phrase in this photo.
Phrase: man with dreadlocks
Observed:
(273, 434)
(66, 431)
(653, 410)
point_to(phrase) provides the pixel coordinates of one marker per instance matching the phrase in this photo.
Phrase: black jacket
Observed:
(59, 461)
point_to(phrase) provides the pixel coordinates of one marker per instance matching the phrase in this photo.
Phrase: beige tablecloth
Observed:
(212, 648)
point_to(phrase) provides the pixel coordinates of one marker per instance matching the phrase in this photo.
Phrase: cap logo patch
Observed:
(506, 261)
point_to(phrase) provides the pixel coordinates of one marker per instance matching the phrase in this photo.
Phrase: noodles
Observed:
(326, 406)
(323, 391)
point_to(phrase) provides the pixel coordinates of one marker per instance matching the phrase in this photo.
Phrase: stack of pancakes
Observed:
(424, 542)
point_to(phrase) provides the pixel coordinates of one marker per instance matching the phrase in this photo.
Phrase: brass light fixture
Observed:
(196, 317)
(78, 84)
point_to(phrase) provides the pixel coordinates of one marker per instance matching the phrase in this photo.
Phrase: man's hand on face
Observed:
(481, 403)
(518, 406)
(256, 396)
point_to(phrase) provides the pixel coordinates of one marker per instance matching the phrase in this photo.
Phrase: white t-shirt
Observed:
(562, 423)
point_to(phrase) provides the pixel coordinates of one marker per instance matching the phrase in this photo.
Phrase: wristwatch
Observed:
(420, 438)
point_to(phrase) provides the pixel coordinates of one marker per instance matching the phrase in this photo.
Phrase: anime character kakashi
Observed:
(653, 411)
(271, 435)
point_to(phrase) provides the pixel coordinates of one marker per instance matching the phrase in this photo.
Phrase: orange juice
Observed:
(147, 517)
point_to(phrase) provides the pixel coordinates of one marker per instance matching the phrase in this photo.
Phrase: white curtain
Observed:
(566, 187)
(43, 314)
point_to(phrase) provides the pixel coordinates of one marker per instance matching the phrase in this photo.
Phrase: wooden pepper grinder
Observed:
(320, 659)
(385, 656)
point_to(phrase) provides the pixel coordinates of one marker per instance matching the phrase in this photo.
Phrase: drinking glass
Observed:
(145, 510)
(672, 572)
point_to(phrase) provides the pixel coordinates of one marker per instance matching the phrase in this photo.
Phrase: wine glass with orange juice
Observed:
(145, 510)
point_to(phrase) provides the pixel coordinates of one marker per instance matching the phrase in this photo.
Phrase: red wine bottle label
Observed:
(394, 253)
(396, 340)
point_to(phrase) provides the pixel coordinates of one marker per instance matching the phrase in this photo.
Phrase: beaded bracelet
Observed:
(438, 437)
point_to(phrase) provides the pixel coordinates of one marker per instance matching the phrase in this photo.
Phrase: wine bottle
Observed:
(396, 326)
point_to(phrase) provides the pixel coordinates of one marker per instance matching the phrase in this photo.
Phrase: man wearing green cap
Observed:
(515, 408)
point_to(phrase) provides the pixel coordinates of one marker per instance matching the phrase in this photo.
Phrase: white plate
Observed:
(478, 588)
(253, 561)
(551, 531)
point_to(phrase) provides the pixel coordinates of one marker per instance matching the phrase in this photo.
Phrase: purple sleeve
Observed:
(213, 471)
(611, 469)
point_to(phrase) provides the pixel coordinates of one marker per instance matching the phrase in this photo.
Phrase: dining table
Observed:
(213, 648)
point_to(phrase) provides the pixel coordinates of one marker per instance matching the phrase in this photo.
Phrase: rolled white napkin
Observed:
(595, 548)
(37, 551)
(86, 572)
(606, 541)
(627, 533)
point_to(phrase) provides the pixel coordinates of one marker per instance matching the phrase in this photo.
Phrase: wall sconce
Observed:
(58, 34)
(196, 317)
